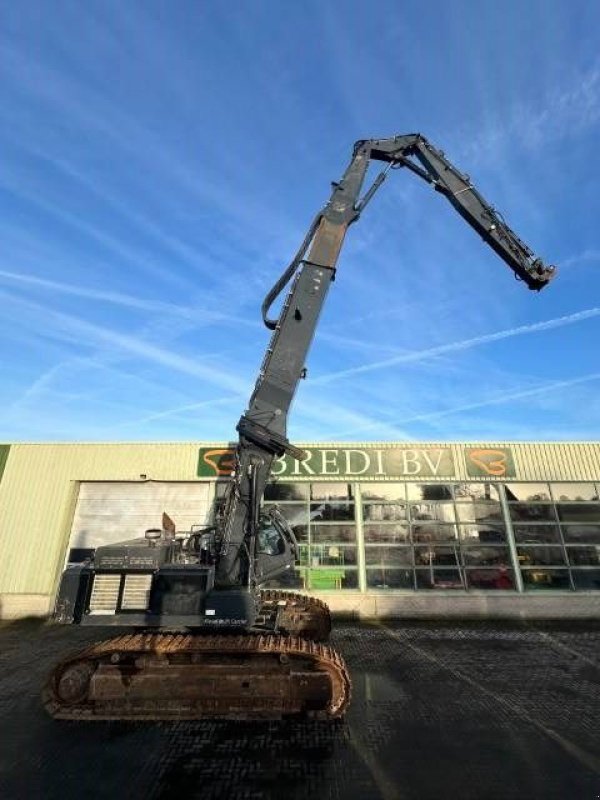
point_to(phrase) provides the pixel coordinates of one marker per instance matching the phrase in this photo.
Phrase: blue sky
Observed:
(162, 162)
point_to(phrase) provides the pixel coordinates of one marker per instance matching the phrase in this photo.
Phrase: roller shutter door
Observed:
(108, 512)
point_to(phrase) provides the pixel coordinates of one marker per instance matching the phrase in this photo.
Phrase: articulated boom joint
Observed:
(268, 440)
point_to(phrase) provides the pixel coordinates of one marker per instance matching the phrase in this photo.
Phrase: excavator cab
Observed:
(276, 546)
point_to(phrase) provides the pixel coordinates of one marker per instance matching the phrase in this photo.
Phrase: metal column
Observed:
(510, 536)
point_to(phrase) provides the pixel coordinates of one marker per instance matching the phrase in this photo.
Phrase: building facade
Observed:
(499, 528)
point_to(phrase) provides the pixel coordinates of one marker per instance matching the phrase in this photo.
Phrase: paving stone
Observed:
(469, 710)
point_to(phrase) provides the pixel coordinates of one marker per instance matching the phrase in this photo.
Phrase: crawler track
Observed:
(296, 614)
(152, 676)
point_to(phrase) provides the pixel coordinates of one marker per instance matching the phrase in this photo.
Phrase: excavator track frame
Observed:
(161, 676)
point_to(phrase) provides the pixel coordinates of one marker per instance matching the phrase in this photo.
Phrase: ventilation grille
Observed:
(136, 594)
(105, 594)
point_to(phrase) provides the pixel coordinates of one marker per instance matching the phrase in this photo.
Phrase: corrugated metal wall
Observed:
(39, 489)
(38, 494)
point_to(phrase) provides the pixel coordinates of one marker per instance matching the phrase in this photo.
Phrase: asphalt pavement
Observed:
(467, 710)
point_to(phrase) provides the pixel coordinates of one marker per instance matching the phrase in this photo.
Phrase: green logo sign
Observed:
(343, 462)
(489, 462)
(215, 462)
(4, 451)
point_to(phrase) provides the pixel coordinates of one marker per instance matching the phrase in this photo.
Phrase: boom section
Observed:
(434, 167)
(263, 427)
(283, 365)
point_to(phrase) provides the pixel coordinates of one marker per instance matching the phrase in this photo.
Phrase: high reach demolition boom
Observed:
(206, 582)
(262, 429)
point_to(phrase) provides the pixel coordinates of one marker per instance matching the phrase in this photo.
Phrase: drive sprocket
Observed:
(295, 614)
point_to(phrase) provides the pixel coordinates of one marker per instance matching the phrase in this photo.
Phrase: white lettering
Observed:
(353, 462)
(434, 467)
(304, 465)
(279, 466)
(329, 459)
(410, 457)
(366, 462)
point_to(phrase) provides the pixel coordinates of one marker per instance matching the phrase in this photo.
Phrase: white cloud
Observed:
(563, 111)
(589, 255)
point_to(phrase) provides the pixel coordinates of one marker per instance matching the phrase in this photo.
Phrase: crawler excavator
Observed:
(205, 639)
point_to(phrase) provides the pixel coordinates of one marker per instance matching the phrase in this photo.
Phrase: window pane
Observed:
(437, 512)
(586, 579)
(379, 513)
(584, 556)
(540, 579)
(327, 512)
(300, 532)
(331, 491)
(548, 556)
(428, 491)
(486, 556)
(332, 533)
(386, 533)
(490, 578)
(332, 579)
(437, 556)
(390, 579)
(579, 512)
(476, 491)
(483, 534)
(534, 534)
(581, 534)
(439, 579)
(532, 513)
(295, 513)
(303, 555)
(527, 491)
(431, 532)
(387, 492)
(565, 492)
(286, 491)
(479, 512)
(389, 556)
(332, 555)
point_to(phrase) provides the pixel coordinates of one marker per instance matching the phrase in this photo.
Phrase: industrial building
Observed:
(405, 529)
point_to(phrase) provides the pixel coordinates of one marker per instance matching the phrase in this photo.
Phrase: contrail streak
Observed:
(117, 298)
(495, 400)
(201, 315)
(465, 344)
(503, 398)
